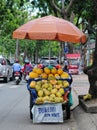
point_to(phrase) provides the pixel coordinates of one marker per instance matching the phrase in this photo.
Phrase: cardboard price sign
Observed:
(47, 113)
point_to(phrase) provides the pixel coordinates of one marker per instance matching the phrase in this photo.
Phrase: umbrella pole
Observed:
(17, 44)
(49, 52)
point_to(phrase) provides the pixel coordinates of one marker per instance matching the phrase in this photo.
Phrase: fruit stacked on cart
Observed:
(50, 84)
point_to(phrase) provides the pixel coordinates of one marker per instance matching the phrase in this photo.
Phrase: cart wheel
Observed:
(31, 105)
(68, 113)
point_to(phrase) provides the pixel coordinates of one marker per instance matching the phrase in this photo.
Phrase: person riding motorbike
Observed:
(27, 68)
(16, 67)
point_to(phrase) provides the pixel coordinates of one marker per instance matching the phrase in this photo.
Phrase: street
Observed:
(14, 109)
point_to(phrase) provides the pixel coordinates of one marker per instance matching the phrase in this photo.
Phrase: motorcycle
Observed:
(17, 77)
(26, 76)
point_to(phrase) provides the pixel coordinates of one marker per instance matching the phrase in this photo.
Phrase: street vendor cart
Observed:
(50, 96)
(53, 29)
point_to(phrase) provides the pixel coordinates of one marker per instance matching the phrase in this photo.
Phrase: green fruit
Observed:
(53, 91)
(47, 93)
(58, 94)
(37, 87)
(40, 93)
(61, 90)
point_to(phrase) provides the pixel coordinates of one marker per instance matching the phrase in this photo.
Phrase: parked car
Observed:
(50, 58)
(6, 71)
(49, 62)
(46, 61)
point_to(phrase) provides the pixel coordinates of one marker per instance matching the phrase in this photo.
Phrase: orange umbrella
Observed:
(50, 28)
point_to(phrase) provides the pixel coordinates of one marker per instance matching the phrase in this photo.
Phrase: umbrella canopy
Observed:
(50, 28)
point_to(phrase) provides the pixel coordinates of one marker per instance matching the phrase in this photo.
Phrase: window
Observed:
(2, 61)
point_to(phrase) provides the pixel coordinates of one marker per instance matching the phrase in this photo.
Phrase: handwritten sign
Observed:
(47, 113)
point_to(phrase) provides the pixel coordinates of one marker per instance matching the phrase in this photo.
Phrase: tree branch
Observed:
(63, 1)
(69, 6)
(52, 8)
(55, 6)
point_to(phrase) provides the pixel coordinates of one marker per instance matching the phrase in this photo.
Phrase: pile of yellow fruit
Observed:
(46, 73)
(51, 90)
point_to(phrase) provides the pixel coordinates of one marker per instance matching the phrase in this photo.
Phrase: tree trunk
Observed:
(91, 71)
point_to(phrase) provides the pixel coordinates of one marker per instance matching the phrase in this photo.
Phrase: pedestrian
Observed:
(65, 66)
(80, 67)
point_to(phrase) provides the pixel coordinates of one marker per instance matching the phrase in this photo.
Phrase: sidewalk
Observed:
(85, 121)
(80, 86)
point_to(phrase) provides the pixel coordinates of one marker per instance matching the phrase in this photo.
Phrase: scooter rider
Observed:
(16, 67)
(27, 67)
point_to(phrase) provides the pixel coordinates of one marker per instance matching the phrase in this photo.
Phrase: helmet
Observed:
(17, 61)
(26, 61)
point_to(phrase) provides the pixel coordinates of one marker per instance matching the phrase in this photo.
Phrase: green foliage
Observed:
(85, 10)
(14, 13)
(46, 46)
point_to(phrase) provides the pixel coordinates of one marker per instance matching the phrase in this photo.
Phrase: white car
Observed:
(46, 62)
(6, 71)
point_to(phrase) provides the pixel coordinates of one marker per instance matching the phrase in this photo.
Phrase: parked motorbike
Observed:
(17, 77)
